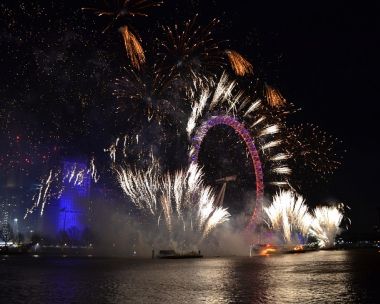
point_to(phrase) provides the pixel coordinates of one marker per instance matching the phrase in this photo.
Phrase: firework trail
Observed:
(280, 156)
(123, 9)
(186, 205)
(54, 184)
(46, 191)
(197, 110)
(282, 170)
(93, 171)
(141, 186)
(325, 225)
(288, 214)
(274, 97)
(133, 47)
(112, 150)
(74, 175)
(239, 64)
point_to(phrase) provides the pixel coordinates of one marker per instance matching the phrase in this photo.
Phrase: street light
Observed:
(16, 229)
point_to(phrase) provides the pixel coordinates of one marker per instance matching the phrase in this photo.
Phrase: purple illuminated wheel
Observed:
(250, 143)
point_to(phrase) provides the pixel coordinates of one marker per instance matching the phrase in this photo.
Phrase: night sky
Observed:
(58, 69)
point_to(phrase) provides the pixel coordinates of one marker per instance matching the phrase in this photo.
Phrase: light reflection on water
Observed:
(318, 277)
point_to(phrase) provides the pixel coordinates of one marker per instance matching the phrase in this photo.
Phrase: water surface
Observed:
(316, 277)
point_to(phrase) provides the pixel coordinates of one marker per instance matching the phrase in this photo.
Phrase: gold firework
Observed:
(239, 64)
(122, 9)
(274, 97)
(133, 47)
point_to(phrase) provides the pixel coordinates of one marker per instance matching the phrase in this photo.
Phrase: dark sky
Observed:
(329, 66)
(323, 58)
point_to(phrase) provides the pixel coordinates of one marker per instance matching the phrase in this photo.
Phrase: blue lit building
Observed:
(69, 214)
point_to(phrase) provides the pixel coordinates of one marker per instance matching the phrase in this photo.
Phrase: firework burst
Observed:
(181, 199)
(124, 10)
(314, 152)
(190, 54)
(288, 215)
(117, 10)
(149, 95)
(142, 90)
(264, 127)
(325, 225)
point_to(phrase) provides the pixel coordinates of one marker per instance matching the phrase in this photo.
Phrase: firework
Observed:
(133, 47)
(141, 186)
(255, 105)
(280, 156)
(123, 9)
(112, 150)
(93, 171)
(282, 170)
(74, 175)
(186, 205)
(258, 128)
(190, 53)
(53, 185)
(270, 130)
(274, 97)
(288, 214)
(145, 92)
(47, 189)
(239, 64)
(314, 152)
(126, 9)
(271, 144)
(325, 225)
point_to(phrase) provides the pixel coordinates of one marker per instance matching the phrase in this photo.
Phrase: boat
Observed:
(172, 254)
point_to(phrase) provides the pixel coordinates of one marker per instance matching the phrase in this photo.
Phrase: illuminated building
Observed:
(69, 213)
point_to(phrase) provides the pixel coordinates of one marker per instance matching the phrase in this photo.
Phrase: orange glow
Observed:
(239, 64)
(274, 97)
(298, 248)
(269, 249)
(133, 47)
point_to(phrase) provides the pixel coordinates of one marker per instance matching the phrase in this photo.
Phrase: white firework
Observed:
(47, 190)
(92, 171)
(265, 127)
(325, 225)
(288, 214)
(181, 199)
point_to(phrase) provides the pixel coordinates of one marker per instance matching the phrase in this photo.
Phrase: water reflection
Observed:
(322, 277)
(318, 277)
